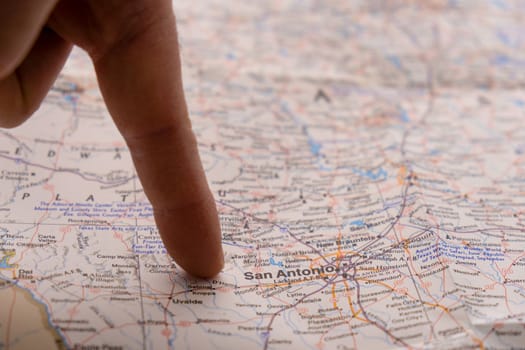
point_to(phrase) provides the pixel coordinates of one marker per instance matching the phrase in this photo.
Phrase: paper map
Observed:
(368, 163)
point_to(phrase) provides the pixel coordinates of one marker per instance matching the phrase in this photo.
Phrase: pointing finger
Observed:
(140, 80)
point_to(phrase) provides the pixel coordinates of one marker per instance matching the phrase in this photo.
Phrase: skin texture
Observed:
(133, 45)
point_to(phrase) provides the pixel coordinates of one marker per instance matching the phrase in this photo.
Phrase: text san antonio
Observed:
(291, 273)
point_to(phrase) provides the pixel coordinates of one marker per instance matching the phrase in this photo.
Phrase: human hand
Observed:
(133, 45)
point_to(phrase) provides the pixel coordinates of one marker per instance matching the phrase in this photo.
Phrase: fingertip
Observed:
(192, 237)
(208, 269)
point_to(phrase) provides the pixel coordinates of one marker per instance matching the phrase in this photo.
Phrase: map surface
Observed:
(368, 162)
